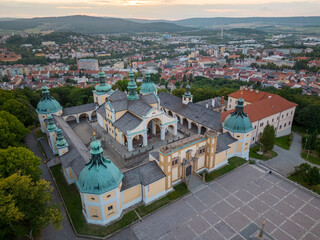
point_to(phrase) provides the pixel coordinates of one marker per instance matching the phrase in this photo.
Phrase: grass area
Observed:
(265, 156)
(296, 178)
(284, 142)
(72, 200)
(179, 191)
(298, 129)
(233, 163)
(39, 134)
(313, 157)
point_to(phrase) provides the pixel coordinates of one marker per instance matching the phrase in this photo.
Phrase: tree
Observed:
(25, 206)
(19, 110)
(184, 79)
(121, 85)
(267, 138)
(12, 131)
(5, 79)
(19, 159)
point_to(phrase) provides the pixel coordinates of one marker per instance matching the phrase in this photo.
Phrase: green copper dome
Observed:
(100, 175)
(132, 87)
(238, 121)
(102, 87)
(47, 103)
(148, 86)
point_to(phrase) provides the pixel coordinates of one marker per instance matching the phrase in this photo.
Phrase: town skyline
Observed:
(157, 10)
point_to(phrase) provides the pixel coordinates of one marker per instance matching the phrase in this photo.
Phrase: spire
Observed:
(148, 77)
(132, 86)
(61, 142)
(51, 126)
(239, 108)
(97, 158)
(187, 93)
(102, 77)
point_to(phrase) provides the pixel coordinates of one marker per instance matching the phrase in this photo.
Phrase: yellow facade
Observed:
(131, 194)
(156, 187)
(110, 210)
(108, 195)
(94, 212)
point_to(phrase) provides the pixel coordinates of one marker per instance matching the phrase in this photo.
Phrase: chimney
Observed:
(213, 101)
(207, 105)
(251, 90)
(257, 91)
(222, 100)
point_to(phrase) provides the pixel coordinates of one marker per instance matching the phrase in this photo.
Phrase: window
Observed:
(287, 114)
(289, 123)
(108, 196)
(229, 106)
(272, 119)
(280, 127)
(253, 139)
(268, 122)
(261, 124)
(285, 125)
(291, 112)
(93, 198)
(202, 150)
(238, 136)
(230, 100)
(110, 208)
(255, 127)
(175, 162)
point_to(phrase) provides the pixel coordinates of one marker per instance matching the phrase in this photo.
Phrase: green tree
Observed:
(19, 159)
(19, 110)
(25, 206)
(267, 138)
(121, 85)
(5, 79)
(184, 79)
(12, 131)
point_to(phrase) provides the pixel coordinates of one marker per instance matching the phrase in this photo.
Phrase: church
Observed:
(105, 190)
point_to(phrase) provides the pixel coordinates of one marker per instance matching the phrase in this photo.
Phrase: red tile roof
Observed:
(250, 95)
(264, 108)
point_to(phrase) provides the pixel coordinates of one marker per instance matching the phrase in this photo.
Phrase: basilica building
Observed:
(105, 190)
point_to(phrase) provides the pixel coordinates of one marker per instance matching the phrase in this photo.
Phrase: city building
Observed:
(263, 108)
(88, 64)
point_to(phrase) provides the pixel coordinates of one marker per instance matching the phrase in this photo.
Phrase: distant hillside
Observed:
(89, 25)
(247, 22)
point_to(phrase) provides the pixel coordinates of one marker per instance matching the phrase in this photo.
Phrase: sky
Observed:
(159, 9)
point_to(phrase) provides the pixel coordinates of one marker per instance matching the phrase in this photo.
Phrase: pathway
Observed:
(50, 233)
(286, 160)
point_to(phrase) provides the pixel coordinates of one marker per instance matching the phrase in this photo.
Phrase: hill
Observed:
(88, 25)
(247, 22)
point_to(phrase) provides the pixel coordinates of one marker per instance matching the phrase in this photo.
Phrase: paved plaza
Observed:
(227, 206)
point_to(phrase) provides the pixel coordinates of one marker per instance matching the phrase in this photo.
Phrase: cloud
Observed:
(223, 10)
(73, 7)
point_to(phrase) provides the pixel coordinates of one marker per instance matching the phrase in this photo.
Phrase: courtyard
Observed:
(229, 206)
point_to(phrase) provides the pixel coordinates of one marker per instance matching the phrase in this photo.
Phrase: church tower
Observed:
(132, 87)
(61, 143)
(102, 90)
(51, 128)
(239, 126)
(187, 96)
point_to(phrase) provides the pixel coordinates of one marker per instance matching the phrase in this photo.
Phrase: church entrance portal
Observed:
(188, 171)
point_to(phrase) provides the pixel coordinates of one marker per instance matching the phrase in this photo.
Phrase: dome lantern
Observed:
(148, 86)
(47, 104)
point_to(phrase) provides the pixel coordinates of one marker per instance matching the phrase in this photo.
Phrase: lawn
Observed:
(284, 142)
(39, 134)
(72, 200)
(233, 163)
(265, 156)
(313, 157)
(296, 178)
(179, 191)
